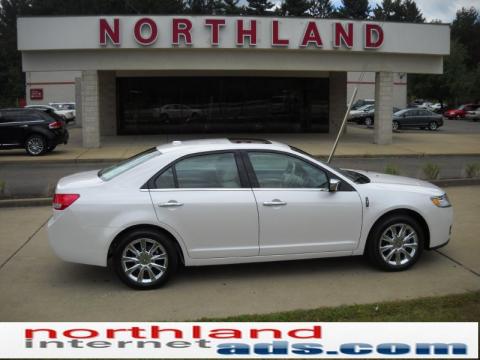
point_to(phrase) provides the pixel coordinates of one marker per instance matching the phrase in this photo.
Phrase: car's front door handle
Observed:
(275, 202)
(171, 203)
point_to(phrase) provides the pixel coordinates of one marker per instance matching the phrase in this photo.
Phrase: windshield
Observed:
(112, 171)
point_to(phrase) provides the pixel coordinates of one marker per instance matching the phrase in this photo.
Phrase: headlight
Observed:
(441, 201)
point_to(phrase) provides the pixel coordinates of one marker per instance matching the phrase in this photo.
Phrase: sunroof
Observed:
(248, 141)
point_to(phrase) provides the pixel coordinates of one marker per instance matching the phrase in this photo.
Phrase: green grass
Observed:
(464, 307)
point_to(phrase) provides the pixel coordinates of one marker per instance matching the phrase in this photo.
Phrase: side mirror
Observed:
(333, 185)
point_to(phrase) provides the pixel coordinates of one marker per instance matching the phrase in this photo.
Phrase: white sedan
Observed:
(231, 201)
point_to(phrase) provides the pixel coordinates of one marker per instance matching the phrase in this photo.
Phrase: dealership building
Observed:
(217, 74)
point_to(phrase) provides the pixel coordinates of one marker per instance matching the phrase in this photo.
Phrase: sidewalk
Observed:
(356, 143)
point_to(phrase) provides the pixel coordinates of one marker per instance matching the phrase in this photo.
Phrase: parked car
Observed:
(177, 112)
(362, 102)
(461, 111)
(34, 130)
(366, 116)
(50, 110)
(359, 114)
(67, 109)
(225, 201)
(438, 108)
(473, 115)
(416, 118)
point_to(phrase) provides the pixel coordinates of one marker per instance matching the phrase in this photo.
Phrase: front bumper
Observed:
(440, 222)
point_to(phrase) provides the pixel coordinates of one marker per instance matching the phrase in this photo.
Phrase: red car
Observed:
(461, 111)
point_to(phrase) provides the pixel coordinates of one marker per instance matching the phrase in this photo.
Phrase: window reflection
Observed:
(222, 104)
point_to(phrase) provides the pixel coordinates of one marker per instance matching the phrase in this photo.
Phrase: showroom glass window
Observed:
(196, 104)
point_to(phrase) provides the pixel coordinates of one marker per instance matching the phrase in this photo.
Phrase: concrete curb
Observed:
(8, 203)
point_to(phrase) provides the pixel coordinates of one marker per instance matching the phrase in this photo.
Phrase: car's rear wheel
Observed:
(395, 125)
(433, 126)
(145, 259)
(36, 145)
(396, 243)
(368, 121)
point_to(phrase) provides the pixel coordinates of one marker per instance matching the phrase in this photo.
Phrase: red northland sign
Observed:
(244, 32)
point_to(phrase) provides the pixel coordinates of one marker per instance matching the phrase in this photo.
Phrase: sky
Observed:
(443, 10)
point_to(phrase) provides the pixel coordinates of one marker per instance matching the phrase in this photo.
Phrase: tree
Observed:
(12, 79)
(230, 7)
(354, 9)
(295, 7)
(205, 6)
(321, 9)
(258, 7)
(398, 10)
(454, 85)
(466, 29)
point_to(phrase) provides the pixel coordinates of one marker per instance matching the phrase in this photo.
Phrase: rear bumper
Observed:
(60, 138)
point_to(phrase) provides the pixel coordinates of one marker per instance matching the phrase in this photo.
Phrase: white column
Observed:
(383, 108)
(337, 101)
(90, 109)
(108, 102)
(78, 101)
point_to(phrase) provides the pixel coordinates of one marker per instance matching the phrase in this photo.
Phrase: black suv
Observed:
(36, 131)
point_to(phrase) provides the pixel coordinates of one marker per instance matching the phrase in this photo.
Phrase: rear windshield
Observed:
(112, 171)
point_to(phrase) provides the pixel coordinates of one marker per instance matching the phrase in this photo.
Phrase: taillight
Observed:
(55, 125)
(63, 201)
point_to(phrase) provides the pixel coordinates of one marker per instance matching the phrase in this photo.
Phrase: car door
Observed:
(207, 201)
(297, 213)
(12, 128)
(410, 118)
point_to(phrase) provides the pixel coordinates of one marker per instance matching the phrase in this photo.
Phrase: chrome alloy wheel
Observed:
(398, 244)
(35, 145)
(144, 260)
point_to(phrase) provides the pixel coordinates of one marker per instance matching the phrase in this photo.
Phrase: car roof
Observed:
(220, 144)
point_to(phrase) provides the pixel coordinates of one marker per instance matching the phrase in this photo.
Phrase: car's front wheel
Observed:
(433, 126)
(36, 145)
(145, 259)
(395, 125)
(395, 243)
(368, 121)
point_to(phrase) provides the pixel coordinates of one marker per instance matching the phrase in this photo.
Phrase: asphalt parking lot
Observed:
(36, 286)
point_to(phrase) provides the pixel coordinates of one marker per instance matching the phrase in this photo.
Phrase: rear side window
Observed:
(123, 166)
(202, 171)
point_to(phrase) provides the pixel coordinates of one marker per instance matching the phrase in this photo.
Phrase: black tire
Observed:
(433, 126)
(376, 241)
(164, 245)
(368, 121)
(36, 145)
(395, 125)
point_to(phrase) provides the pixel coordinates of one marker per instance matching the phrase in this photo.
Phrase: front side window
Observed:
(283, 171)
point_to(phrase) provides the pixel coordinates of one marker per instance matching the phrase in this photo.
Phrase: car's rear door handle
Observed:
(275, 202)
(171, 203)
